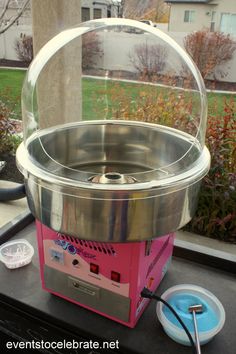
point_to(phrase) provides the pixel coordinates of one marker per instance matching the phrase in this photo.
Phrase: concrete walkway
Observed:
(206, 242)
(10, 210)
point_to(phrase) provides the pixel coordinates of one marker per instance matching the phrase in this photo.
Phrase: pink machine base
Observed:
(106, 278)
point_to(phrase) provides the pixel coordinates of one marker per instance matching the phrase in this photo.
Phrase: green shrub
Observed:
(216, 213)
(16, 140)
(9, 141)
(160, 106)
(6, 129)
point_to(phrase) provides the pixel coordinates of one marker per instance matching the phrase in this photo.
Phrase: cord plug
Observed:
(146, 293)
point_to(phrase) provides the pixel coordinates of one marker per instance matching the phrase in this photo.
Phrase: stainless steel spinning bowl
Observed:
(114, 181)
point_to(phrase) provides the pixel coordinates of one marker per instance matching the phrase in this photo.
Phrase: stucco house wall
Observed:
(202, 18)
(208, 14)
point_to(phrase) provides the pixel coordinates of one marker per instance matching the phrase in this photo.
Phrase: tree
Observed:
(91, 50)
(7, 19)
(210, 50)
(24, 48)
(157, 12)
(149, 60)
(134, 9)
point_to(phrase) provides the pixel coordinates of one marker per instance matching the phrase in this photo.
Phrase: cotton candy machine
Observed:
(114, 118)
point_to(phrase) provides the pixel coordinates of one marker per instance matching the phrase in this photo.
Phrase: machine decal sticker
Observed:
(67, 246)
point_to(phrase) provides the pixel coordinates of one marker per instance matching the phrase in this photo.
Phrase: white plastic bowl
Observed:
(16, 254)
(210, 322)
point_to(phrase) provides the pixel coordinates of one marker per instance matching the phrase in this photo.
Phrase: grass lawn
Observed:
(97, 94)
(101, 96)
(217, 100)
(10, 89)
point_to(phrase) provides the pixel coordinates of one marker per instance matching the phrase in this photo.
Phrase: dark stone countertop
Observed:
(21, 288)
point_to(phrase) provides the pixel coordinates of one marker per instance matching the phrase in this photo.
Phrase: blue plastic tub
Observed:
(181, 297)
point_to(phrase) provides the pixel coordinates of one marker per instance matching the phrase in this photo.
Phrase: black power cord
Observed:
(146, 293)
(8, 194)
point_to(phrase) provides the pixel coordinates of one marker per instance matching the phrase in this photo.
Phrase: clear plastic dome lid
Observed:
(113, 96)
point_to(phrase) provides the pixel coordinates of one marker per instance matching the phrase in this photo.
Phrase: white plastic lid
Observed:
(16, 253)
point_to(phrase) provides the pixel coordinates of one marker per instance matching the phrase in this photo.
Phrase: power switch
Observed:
(94, 268)
(75, 262)
(115, 276)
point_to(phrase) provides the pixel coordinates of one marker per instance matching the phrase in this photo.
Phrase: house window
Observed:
(97, 13)
(85, 14)
(213, 21)
(228, 23)
(189, 16)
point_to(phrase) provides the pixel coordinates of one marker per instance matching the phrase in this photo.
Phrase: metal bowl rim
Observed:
(197, 169)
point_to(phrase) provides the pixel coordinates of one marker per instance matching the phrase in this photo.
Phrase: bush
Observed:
(24, 48)
(6, 129)
(170, 108)
(216, 213)
(209, 50)
(91, 50)
(149, 60)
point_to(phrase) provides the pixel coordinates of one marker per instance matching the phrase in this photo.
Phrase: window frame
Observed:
(229, 25)
(189, 16)
(83, 8)
(96, 9)
(213, 21)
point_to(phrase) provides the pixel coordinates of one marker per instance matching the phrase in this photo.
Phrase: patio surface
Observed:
(12, 209)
